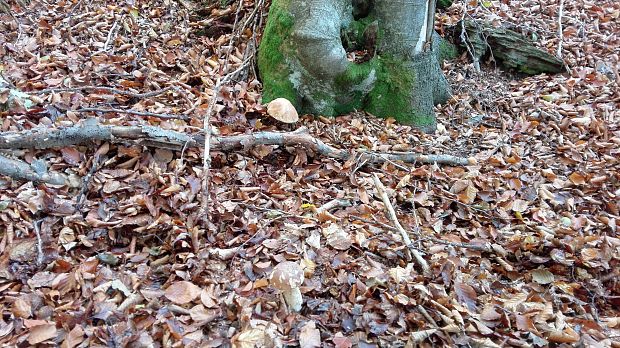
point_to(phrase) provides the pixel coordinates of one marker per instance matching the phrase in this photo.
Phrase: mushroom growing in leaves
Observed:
(287, 277)
(282, 110)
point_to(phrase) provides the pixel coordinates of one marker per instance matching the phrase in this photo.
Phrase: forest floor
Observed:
(523, 246)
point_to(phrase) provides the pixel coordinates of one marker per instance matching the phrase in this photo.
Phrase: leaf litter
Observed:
(122, 258)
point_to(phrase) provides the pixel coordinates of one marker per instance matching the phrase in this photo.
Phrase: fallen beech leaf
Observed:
(201, 315)
(519, 205)
(419, 336)
(567, 336)
(41, 333)
(309, 336)
(525, 323)
(336, 237)
(249, 339)
(340, 341)
(577, 178)
(182, 292)
(542, 276)
(490, 314)
(466, 294)
(22, 309)
(399, 274)
(75, 337)
(612, 321)
(468, 195)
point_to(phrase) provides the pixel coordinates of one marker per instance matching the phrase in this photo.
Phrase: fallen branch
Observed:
(23, 171)
(101, 88)
(91, 131)
(560, 30)
(392, 215)
(134, 112)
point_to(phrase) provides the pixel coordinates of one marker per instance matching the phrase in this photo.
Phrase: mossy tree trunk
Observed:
(302, 57)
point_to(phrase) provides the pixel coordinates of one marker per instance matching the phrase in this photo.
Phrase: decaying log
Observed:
(91, 131)
(509, 48)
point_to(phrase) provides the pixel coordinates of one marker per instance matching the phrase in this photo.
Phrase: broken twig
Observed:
(392, 215)
(91, 131)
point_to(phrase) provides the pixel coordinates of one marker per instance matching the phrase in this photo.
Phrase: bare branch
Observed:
(91, 131)
(102, 88)
(392, 215)
(133, 112)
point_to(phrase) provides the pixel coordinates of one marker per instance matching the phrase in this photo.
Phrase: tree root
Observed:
(91, 131)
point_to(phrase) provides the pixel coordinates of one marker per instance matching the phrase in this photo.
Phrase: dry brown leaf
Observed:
(465, 294)
(336, 237)
(182, 292)
(22, 309)
(568, 335)
(75, 337)
(309, 336)
(542, 276)
(250, 338)
(42, 333)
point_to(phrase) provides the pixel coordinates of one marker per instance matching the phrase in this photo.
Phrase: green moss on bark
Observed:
(392, 93)
(444, 3)
(275, 71)
(446, 50)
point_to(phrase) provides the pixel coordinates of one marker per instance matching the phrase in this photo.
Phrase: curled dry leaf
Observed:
(419, 336)
(465, 294)
(41, 333)
(182, 292)
(309, 336)
(568, 335)
(336, 237)
(542, 276)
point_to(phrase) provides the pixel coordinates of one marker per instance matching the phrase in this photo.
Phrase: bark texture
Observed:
(509, 48)
(302, 58)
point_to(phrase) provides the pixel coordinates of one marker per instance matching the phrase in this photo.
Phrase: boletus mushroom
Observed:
(282, 110)
(287, 276)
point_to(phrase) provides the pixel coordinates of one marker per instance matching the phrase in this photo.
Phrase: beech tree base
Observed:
(302, 58)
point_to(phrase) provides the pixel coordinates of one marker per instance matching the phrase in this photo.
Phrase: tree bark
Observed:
(302, 58)
(508, 48)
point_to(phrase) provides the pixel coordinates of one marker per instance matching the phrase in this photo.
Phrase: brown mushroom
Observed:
(282, 110)
(287, 277)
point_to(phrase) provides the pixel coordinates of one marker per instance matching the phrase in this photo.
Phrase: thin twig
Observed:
(103, 88)
(86, 183)
(109, 38)
(392, 215)
(134, 112)
(37, 231)
(560, 30)
(206, 164)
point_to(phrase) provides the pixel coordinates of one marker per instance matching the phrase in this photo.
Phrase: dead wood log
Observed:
(91, 131)
(509, 48)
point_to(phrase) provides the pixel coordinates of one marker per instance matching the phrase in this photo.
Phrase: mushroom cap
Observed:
(282, 110)
(287, 275)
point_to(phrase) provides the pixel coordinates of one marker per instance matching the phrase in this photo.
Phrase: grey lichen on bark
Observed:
(302, 58)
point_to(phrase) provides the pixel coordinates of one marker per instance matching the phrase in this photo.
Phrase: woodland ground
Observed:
(134, 266)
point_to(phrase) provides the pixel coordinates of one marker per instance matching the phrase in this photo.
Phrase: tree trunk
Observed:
(302, 57)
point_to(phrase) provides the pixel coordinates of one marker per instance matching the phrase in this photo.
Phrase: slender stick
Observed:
(103, 88)
(134, 112)
(560, 30)
(91, 131)
(392, 215)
